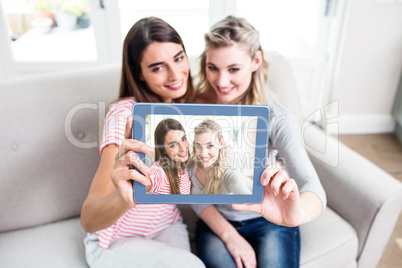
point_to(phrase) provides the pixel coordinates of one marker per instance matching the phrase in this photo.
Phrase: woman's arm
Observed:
(103, 205)
(283, 204)
(111, 191)
(311, 206)
(239, 248)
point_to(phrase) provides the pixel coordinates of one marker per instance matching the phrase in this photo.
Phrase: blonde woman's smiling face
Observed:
(207, 147)
(229, 70)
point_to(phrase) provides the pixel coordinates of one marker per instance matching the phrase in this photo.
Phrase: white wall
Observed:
(369, 67)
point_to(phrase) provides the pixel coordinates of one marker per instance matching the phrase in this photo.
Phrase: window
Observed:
(289, 27)
(298, 29)
(50, 30)
(189, 18)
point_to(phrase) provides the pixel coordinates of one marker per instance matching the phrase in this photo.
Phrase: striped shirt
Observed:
(144, 220)
(160, 182)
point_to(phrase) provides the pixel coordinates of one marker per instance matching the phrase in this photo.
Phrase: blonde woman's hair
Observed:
(217, 169)
(227, 32)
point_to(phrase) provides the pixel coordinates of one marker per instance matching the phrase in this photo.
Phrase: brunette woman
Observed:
(120, 233)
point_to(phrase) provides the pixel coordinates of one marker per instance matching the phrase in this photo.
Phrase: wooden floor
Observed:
(385, 151)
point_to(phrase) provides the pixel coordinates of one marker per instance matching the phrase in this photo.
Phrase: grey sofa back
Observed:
(44, 174)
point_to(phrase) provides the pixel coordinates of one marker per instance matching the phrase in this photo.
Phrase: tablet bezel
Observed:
(140, 110)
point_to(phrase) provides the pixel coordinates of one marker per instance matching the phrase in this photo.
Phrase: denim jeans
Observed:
(274, 245)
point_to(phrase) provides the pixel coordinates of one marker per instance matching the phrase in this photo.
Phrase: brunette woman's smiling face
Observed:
(176, 145)
(165, 69)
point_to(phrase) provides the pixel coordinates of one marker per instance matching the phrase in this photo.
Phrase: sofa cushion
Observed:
(45, 173)
(58, 244)
(282, 85)
(328, 240)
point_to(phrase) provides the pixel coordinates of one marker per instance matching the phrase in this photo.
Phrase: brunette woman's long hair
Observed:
(168, 165)
(143, 33)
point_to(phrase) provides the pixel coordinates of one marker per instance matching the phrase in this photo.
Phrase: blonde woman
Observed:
(208, 172)
(234, 71)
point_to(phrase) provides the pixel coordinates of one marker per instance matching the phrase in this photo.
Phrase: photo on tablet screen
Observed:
(205, 154)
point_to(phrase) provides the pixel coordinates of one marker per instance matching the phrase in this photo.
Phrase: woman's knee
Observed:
(141, 252)
(279, 248)
(175, 235)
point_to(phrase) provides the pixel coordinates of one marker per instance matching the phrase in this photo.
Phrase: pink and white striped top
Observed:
(145, 220)
(160, 182)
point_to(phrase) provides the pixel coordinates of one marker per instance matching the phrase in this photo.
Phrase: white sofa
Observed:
(46, 172)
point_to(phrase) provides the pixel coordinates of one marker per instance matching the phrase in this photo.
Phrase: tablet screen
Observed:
(204, 153)
(218, 152)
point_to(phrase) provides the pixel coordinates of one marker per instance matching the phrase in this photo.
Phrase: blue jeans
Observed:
(274, 245)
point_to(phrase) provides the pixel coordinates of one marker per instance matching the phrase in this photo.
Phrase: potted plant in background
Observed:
(43, 9)
(67, 13)
(84, 21)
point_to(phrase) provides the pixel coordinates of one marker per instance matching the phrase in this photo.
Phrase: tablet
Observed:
(204, 153)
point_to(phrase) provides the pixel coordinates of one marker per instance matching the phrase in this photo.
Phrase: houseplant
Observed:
(67, 13)
(43, 9)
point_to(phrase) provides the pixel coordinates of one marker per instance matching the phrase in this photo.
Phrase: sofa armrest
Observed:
(359, 191)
